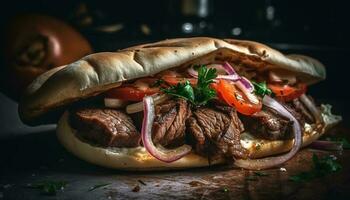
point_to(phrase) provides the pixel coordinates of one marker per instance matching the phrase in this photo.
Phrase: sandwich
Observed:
(182, 103)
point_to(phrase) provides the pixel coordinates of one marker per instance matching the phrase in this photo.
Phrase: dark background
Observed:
(315, 28)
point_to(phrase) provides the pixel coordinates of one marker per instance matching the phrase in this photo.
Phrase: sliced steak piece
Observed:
(219, 128)
(169, 123)
(267, 124)
(105, 127)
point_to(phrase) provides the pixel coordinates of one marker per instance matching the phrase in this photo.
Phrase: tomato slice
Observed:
(287, 92)
(233, 97)
(134, 92)
(171, 80)
(130, 93)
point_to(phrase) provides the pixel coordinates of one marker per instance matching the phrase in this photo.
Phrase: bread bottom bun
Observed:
(138, 159)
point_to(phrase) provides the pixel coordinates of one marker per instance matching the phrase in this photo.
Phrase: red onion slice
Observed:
(231, 73)
(241, 82)
(159, 152)
(233, 77)
(138, 107)
(327, 145)
(192, 72)
(246, 83)
(264, 163)
(252, 98)
(228, 68)
(312, 108)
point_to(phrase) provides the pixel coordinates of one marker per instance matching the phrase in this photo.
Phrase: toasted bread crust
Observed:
(99, 72)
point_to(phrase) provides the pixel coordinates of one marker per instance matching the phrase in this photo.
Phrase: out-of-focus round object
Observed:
(36, 43)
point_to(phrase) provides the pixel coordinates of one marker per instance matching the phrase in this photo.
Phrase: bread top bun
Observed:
(139, 159)
(99, 72)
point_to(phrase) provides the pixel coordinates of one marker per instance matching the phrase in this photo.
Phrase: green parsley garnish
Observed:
(181, 90)
(345, 142)
(261, 89)
(199, 94)
(158, 83)
(322, 167)
(48, 187)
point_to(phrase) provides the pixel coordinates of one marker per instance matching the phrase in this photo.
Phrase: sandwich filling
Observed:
(203, 109)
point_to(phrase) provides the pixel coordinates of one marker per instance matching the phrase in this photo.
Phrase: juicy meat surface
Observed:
(268, 124)
(105, 127)
(169, 123)
(216, 130)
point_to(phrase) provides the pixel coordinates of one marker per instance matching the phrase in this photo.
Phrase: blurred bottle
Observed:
(189, 18)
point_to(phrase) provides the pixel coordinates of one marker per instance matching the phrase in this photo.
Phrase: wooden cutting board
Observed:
(36, 158)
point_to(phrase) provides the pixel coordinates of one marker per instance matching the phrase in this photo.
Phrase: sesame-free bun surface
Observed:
(99, 72)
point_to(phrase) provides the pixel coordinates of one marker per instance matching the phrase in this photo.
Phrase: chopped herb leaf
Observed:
(199, 94)
(158, 83)
(98, 186)
(182, 90)
(345, 142)
(48, 187)
(322, 167)
(261, 89)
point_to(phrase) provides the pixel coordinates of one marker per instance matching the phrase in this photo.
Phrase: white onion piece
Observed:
(312, 108)
(138, 107)
(233, 77)
(192, 72)
(265, 163)
(159, 152)
(246, 83)
(252, 98)
(114, 103)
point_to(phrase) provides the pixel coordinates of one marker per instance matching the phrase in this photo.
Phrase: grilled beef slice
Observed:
(216, 130)
(105, 127)
(169, 123)
(268, 124)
